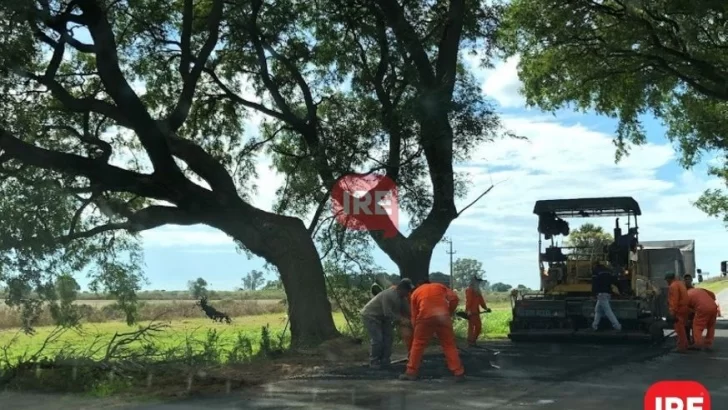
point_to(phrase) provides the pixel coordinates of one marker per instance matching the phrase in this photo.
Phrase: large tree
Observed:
(411, 112)
(464, 269)
(624, 59)
(161, 81)
(85, 80)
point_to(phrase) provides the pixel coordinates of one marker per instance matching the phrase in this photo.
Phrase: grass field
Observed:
(715, 285)
(97, 303)
(195, 331)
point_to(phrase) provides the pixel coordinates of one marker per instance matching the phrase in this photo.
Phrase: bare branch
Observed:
(476, 200)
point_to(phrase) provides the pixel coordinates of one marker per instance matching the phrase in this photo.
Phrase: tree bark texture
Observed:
(284, 242)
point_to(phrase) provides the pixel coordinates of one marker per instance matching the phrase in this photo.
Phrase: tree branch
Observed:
(204, 165)
(449, 47)
(150, 217)
(112, 178)
(107, 61)
(394, 15)
(186, 35)
(184, 103)
(476, 200)
(240, 100)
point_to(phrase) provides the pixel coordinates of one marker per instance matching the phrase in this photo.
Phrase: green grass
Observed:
(99, 334)
(495, 324)
(94, 335)
(714, 285)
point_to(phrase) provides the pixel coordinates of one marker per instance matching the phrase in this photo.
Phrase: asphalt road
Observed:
(526, 377)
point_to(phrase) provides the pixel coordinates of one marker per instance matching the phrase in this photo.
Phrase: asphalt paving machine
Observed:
(564, 306)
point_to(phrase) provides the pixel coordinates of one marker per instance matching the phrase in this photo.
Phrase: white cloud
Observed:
(558, 160)
(268, 181)
(562, 161)
(186, 236)
(502, 84)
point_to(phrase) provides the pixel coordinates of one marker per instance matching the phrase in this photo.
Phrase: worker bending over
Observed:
(432, 306)
(677, 297)
(379, 315)
(702, 302)
(473, 302)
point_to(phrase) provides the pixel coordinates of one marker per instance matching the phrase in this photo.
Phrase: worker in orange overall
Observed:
(432, 306)
(702, 302)
(473, 302)
(677, 296)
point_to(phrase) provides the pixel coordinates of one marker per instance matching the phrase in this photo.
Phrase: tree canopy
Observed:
(122, 116)
(625, 59)
(198, 288)
(500, 287)
(589, 240)
(464, 269)
(253, 280)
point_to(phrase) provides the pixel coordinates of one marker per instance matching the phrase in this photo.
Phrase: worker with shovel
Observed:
(473, 302)
(379, 316)
(432, 306)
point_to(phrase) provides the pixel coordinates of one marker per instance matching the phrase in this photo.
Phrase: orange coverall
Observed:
(677, 296)
(702, 301)
(473, 302)
(432, 306)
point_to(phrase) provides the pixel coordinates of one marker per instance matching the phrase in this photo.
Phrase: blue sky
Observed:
(568, 155)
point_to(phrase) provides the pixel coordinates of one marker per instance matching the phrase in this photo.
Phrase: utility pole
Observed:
(451, 253)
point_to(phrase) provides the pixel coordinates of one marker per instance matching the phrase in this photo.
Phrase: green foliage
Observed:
(500, 287)
(198, 288)
(95, 138)
(464, 269)
(590, 240)
(439, 277)
(349, 293)
(253, 280)
(627, 59)
(63, 311)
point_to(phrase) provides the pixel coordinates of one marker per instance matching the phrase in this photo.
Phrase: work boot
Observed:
(407, 377)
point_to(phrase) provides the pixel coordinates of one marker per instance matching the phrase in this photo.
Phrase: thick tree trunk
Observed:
(284, 242)
(414, 265)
